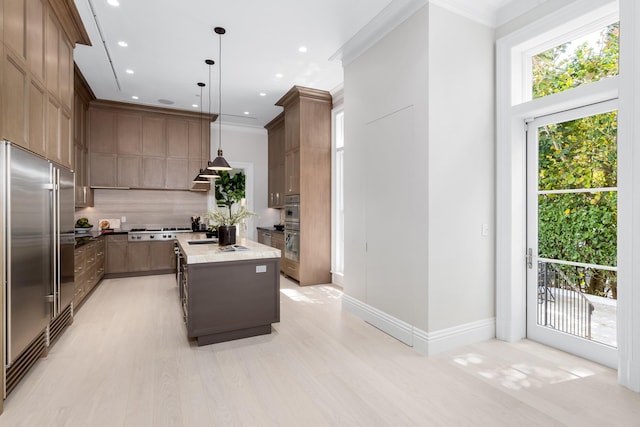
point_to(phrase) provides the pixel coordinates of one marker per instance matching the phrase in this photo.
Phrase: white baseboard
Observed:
(425, 342)
(396, 328)
(450, 338)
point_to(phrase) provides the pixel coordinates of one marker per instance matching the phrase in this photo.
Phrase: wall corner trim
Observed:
(428, 343)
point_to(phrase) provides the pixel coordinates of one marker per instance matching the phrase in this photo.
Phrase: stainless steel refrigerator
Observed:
(37, 244)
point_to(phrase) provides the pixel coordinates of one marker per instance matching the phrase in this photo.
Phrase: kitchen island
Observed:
(227, 295)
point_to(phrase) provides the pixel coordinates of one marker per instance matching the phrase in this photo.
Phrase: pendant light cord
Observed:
(220, 93)
(201, 85)
(209, 109)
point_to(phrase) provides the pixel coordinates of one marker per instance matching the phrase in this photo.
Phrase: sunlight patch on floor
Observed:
(519, 376)
(297, 296)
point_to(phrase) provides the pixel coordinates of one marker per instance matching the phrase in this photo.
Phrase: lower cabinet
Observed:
(117, 254)
(224, 301)
(162, 255)
(126, 258)
(140, 256)
(275, 239)
(89, 268)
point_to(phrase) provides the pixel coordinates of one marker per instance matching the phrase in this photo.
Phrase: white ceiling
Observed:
(169, 41)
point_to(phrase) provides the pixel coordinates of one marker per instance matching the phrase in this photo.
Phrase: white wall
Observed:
(419, 181)
(247, 145)
(385, 173)
(461, 170)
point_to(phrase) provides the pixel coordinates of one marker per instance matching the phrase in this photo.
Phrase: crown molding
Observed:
(382, 24)
(491, 13)
(482, 11)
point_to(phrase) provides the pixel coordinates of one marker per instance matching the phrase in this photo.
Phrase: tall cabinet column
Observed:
(307, 165)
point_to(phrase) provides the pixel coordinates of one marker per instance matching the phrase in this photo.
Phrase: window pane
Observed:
(580, 153)
(572, 64)
(578, 300)
(339, 264)
(339, 130)
(578, 227)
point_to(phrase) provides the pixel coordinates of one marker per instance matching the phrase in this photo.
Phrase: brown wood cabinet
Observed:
(139, 256)
(275, 239)
(134, 146)
(275, 129)
(162, 256)
(117, 251)
(81, 98)
(89, 268)
(38, 37)
(307, 142)
(126, 258)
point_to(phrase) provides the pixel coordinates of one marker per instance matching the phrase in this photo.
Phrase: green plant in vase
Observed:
(230, 190)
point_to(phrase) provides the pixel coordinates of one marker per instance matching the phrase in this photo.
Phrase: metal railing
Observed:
(561, 303)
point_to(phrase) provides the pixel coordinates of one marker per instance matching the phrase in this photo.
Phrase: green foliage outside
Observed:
(579, 154)
(230, 189)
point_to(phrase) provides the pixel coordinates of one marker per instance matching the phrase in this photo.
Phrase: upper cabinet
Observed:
(135, 146)
(275, 129)
(307, 139)
(81, 98)
(38, 37)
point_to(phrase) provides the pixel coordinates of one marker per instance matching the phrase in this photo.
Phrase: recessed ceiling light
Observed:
(113, 2)
(123, 43)
(129, 71)
(302, 49)
(246, 113)
(135, 97)
(279, 75)
(195, 105)
(263, 94)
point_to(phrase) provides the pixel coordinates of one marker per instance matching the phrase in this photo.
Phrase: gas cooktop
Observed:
(155, 230)
(158, 233)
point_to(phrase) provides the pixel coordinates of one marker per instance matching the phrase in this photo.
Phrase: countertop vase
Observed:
(226, 235)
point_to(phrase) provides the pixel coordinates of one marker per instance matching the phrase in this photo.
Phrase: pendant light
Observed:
(219, 163)
(205, 173)
(199, 179)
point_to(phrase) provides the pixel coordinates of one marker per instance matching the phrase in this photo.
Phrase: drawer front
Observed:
(292, 269)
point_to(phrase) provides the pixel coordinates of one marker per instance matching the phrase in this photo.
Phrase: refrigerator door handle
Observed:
(6, 157)
(55, 180)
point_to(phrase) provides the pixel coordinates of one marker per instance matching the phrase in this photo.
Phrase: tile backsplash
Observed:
(145, 207)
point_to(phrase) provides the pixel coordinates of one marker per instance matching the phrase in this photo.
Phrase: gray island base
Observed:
(229, 295)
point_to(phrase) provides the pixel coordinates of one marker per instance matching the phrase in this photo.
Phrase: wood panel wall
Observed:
(36, 112)
(137, 146)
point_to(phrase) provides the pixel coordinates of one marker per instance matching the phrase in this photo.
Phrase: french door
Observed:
(572, 231)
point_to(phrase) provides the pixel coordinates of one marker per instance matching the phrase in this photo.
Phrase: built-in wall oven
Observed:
(292, 208)
(292, 241)
(292, 227)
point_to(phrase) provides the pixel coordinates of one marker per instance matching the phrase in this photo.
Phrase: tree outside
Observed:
(581, 154)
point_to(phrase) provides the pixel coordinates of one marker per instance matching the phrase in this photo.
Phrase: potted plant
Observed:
(230, 189)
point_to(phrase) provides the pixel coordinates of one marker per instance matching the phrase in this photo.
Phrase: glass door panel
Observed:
(572, 231)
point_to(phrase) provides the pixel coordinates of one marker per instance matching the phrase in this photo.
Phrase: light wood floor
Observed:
(125, 361)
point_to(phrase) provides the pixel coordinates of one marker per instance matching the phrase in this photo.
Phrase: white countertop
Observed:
(204, 253)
